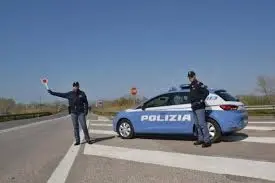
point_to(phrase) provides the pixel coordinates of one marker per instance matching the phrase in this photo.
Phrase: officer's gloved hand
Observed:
(196, 104)
(49, 91)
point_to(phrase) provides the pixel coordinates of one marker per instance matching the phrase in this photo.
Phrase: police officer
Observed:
(78, 108)
(198, 94)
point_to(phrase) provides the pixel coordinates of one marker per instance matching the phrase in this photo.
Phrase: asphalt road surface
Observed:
(44, 153)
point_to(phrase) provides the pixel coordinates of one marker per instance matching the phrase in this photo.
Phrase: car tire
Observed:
(214, 130)
(125, 129)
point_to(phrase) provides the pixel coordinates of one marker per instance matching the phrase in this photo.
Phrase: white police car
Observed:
(170, 113)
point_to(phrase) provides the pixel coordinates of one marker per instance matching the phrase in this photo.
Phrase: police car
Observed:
(171, 113)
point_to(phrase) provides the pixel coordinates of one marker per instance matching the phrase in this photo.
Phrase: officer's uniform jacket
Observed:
(198, 94)
(78, 102)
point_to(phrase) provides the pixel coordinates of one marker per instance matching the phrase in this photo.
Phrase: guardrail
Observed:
(11, 117)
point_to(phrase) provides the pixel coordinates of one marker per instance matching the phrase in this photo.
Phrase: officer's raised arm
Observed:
(62, 95)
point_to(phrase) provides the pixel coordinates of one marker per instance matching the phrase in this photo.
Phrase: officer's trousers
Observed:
(201, 125)
(76, 119)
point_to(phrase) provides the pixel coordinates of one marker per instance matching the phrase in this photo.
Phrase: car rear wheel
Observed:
(125, 129)
(214, 130)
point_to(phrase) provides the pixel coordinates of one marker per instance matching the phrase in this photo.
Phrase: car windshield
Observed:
(226, 96)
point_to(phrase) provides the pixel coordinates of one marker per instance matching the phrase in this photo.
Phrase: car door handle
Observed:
(162, 113)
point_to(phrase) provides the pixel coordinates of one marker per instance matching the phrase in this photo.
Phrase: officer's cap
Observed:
(76, 84)
(191, 74)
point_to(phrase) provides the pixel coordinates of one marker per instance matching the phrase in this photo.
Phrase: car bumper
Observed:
(230, 121)
(239, 126)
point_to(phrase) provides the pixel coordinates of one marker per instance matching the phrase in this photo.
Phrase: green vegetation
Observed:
(10, 110)
(110, 107)
(11, 117)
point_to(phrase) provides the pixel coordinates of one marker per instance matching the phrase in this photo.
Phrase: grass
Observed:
(12, 117)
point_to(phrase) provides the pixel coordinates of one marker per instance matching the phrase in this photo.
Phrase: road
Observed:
(44, 153)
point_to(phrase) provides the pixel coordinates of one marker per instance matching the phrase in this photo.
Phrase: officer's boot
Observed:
(76, 143)
(208, 144)
(198, 142)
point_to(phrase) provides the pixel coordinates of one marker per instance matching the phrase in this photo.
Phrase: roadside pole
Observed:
(134, 93)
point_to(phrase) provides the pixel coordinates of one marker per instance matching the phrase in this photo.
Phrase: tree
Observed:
(266, 86)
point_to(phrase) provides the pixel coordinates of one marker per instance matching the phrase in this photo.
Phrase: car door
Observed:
(181, 118)
(151, 118)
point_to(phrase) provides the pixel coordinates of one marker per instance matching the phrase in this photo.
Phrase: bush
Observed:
(23, 116)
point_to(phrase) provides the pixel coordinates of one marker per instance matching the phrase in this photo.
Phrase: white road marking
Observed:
(61, 172)
(261, 122)
(260, 128)
(100, 118)
(236, 138)
(96, 120)
(218, 165)
(264, 140)
(100, 124)
(32, 124)
(105, 132)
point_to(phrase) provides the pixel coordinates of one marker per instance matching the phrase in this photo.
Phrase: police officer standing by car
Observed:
(78, 108)
(198, 94)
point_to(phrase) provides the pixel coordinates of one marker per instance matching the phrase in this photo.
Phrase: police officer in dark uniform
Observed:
(198, 94)
(78, 108)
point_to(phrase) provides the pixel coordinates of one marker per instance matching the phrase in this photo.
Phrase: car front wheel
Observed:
(125, 129)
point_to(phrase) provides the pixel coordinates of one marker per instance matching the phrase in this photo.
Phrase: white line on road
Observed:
(260, 128)
(96, 120)
(100, 124)
(62, 170)
(236, 138)
(219, 165)
(102, 118)
(105, 132)
(32, 124)
(261, 122)
(264, 140)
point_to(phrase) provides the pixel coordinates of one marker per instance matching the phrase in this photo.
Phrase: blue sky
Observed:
(110, 46)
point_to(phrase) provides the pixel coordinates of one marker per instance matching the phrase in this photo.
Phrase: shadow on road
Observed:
(103, 138)
(235, 137)
(99, 139)
(168, 137)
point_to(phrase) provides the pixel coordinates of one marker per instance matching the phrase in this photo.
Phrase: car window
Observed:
(162, 100)
(226, 96)
(180, 98)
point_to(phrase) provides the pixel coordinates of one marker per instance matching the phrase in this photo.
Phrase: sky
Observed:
(110, 46)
